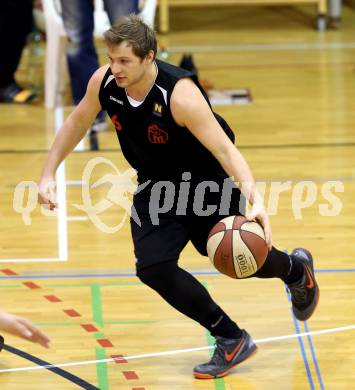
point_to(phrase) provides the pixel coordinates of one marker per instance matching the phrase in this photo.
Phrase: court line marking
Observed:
(80, 183)
(296, 46)
(303, 350)
(179, 351)
(33, 260)
(240, 146)
(131, 274)
(62, 226)
(314, 357)
(64, 374)
(97, 319)
(78, 218)
(299, 339)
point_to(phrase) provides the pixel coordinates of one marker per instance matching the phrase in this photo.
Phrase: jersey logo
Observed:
(116, 122)
(158, 109)
(116, 100)
(157, 135)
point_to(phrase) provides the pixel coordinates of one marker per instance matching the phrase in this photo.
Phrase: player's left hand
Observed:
(20, 327)
(259, 214)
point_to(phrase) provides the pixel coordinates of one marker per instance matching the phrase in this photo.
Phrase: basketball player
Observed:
(169, 134)
(20, 327)
(78, 21)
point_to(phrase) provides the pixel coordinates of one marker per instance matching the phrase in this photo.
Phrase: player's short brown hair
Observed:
(135, 32)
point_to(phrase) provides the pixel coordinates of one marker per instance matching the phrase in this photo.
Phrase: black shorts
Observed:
(161, 236)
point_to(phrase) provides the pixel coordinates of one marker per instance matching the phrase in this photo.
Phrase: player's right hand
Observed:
(47, 193)
(259, 214)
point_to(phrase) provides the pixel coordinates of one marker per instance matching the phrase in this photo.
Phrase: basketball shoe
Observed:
(304, 292)
(14, 93)
(1, 343)
(227, 354)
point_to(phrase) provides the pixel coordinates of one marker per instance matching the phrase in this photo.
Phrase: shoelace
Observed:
(218, 355)
(299, 294)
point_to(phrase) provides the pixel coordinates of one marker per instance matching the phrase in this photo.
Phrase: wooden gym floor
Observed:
(298, 130)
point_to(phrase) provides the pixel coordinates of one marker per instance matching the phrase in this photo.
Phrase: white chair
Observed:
(57, 38)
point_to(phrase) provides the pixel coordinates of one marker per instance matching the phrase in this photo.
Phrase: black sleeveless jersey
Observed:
(150, 139)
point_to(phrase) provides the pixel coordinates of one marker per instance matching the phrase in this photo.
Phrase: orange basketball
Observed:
(237, 247)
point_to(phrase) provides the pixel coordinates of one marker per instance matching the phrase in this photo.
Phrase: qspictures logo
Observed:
(121, 186)
(164, 196)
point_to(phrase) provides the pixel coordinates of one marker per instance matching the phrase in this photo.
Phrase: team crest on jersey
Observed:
(157, 135)
(158, 109)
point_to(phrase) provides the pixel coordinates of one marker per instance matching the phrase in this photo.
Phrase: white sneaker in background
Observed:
(99, 125)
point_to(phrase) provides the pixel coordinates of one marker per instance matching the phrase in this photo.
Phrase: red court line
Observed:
(105, 343)
(8, 272)
(52, 298)
(89, 327)
(138, 388)
(130, 375)
(119, 359)
(72, 313)
(31, 285)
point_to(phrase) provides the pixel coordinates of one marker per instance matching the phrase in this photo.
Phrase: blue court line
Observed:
(300, 342)
(303, 352)
(334, 270)
(314, 357)
(320, 379)
(129, 275)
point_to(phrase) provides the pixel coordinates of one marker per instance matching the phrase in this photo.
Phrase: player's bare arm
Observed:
(21, 327)
(191, 110)
(69, 135)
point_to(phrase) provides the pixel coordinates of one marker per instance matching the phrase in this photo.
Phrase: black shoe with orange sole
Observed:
(304, 292)
(228, 353)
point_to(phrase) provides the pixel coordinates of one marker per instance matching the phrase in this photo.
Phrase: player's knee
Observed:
(157, 276)
(144, 275)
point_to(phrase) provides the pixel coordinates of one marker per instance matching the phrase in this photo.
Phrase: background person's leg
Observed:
(15, 25)
(82, 58)
(115, 9)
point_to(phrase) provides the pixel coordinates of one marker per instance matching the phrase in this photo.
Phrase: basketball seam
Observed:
(220, 243)
(246, 244)
(232, 252)
(238, 231)
(215, 232)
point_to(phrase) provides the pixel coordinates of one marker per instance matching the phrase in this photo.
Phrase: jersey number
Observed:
(116, 122)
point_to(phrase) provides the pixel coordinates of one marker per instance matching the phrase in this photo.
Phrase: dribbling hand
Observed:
(47, 193)
(259, 214)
